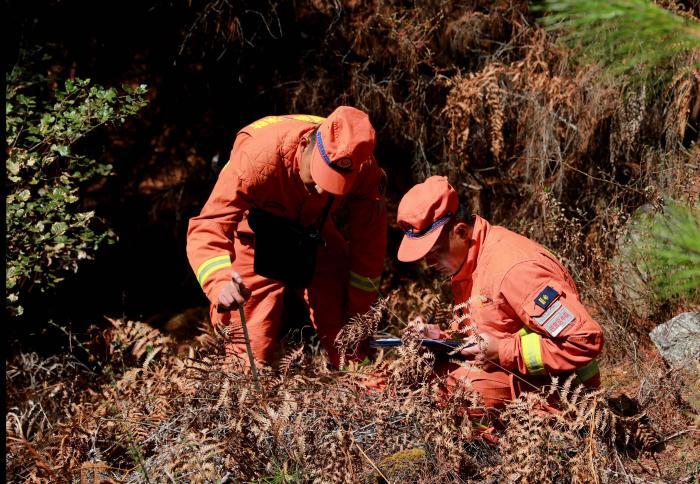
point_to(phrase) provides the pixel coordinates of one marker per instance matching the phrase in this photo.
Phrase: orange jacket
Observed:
(516, 290)
(262, 172)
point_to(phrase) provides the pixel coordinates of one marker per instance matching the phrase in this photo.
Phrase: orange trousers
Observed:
(496, 387)
(325, 300)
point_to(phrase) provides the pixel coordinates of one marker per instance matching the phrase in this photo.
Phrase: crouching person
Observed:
(509, 290)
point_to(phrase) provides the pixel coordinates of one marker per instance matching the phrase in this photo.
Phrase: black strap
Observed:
(324, 215)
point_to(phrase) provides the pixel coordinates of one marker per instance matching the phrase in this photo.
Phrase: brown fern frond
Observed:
(291, 359)
(359, 329)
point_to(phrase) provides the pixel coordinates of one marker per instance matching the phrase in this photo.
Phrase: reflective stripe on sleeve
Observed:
(212, 265)
(267, 120)
(587, 372)
(309, 118)
(532, 352)
(364, 283)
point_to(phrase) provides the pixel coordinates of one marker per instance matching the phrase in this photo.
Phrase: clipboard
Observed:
(437, 344)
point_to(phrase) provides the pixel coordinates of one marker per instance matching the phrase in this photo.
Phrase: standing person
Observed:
(508, 289)
(268, 227)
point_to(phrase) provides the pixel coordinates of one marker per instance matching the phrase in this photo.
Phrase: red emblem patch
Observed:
(559, 320)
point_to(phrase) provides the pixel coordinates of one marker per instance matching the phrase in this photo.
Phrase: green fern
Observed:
(627, 37)
(671, 251)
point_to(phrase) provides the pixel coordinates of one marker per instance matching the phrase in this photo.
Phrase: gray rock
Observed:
(678, 339)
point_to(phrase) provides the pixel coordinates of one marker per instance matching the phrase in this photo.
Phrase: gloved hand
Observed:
(233, 295)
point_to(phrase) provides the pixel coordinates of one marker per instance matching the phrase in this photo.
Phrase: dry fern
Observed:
(359, 329)
(197, 417)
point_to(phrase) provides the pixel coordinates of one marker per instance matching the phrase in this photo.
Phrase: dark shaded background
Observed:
(212, 67)
(203, 86)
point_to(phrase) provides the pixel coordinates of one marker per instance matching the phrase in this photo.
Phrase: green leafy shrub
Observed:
(47, 231)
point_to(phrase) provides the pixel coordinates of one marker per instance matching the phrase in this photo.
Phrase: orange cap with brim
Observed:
(344, 141)
(423, 213)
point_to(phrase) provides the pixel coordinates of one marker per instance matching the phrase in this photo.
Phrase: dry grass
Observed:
(195, 417)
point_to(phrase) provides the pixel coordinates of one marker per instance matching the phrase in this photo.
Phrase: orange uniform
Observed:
(263, 172)
(505, 286)
(514, 289)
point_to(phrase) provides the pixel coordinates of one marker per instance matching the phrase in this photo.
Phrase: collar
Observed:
(296, 160)
(476, 245)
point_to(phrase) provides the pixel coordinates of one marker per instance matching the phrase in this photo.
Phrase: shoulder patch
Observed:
(546, 297)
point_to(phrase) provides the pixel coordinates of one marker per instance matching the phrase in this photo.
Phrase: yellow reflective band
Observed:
(364, 283)
(309, 118)
(261, 123)
(532, 353)
(268, 120)
(587, 372)
(212, 265)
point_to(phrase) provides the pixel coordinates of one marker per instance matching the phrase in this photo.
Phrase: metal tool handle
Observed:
(248, 348)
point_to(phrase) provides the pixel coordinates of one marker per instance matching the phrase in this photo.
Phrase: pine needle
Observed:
(627, 37)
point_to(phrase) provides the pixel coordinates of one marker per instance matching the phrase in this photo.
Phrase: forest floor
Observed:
(134, 403)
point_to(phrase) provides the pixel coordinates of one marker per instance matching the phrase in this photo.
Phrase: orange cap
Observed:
(344, 140)
(422, 214)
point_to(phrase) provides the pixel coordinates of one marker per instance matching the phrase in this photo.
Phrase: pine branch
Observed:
(627, 37)
(671, 251)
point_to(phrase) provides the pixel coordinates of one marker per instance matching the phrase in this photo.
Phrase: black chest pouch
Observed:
(285, 250)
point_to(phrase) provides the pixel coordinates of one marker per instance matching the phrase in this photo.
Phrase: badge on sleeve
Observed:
(546, 297)
(548, 313)
(559, 320)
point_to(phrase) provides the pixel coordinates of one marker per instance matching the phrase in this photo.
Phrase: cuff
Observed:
(508, 352)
